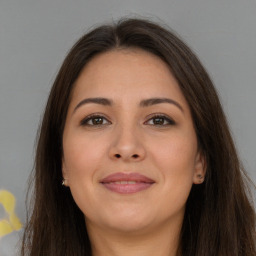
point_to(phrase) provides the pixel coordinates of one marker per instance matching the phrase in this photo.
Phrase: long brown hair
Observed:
(219, 218)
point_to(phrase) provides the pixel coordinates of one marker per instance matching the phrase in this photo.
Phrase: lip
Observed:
(126, 183)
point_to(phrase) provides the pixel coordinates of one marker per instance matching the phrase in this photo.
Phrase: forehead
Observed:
(129, 74)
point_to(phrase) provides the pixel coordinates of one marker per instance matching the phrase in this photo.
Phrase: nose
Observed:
(127, 145)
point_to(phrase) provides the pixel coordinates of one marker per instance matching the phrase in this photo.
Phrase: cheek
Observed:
(176, 164)
(83, 159)
(175, 158)
(82, 156)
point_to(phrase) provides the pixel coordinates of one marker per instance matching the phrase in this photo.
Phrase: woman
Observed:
(135, 156)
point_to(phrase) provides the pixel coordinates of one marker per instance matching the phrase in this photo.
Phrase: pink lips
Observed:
(127, 183)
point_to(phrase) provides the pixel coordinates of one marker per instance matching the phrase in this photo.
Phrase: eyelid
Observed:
(160, 115)
(170, 120)
(91, 116)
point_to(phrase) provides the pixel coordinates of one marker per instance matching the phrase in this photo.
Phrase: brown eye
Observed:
(160, 120)
(94, 121)
(97, 120)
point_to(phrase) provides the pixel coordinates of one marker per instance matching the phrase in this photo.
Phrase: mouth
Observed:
(127, 183)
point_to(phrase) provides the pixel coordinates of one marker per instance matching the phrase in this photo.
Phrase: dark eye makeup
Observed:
(160, 120)
(99, 120)
(94, 120)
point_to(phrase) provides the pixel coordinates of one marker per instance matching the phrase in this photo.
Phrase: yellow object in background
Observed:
(11, 222)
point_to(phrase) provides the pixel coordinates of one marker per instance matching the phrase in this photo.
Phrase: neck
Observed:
(163, 241)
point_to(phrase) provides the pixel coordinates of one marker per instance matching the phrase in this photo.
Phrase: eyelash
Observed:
(85, 121)
(169, 121)
(166, 119)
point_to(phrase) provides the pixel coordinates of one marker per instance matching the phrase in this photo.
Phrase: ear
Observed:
(200, 168)
(64, 174)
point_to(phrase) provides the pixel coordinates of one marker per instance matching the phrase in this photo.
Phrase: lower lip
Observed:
(127, 188)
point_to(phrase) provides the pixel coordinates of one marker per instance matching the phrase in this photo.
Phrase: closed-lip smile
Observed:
(126, 183)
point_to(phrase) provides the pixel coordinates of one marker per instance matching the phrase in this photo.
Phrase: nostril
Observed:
(133, 156)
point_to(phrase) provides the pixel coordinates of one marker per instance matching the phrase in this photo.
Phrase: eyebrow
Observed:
(101, 101)
(143, 103)
(154, 101)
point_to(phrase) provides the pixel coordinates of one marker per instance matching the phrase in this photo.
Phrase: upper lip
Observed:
(119, 176)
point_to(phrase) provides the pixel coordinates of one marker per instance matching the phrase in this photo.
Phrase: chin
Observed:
(123, 225)
(120, 220)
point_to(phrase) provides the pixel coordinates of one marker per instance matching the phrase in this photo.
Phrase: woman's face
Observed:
(130, 148)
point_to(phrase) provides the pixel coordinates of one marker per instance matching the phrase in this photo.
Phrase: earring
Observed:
(63, 183)
(201, 178)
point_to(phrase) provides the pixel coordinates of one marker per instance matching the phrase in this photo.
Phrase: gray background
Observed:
(36, 35)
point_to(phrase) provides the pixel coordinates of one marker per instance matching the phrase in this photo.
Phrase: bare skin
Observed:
(146, 244)
(128, 115)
